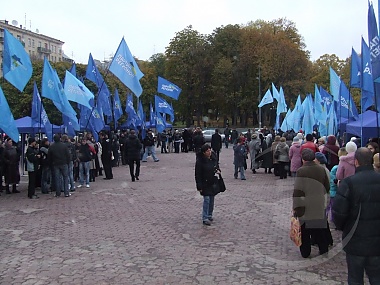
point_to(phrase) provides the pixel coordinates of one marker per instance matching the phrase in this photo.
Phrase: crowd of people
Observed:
(342, 179)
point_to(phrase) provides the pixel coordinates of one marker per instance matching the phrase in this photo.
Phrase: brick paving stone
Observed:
(150, 232)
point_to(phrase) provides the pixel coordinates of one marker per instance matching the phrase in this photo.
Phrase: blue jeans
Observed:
(84, 169)
(356, 266)
(152, 151)
(241, 168)
(45, 179)
(61, 179)
(71, 175)
(208, 207)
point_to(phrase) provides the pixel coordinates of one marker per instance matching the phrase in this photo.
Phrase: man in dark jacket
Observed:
(149, 147)
(59, 159)
(133, 149)
(356, 211)
(311, 187)
(32, 162)
(216, 143)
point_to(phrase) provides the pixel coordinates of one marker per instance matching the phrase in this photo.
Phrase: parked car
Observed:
(207, 134)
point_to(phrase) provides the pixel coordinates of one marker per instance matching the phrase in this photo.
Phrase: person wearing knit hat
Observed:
(321, 158)
(346, 165)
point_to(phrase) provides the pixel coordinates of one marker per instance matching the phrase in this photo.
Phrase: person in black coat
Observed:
(11, 158)
(106, 155)
(356, 212)
(206, 167)
(133, 149)
(32, 162)
(216, 143)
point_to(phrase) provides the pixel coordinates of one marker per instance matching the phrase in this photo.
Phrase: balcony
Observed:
(44, 50)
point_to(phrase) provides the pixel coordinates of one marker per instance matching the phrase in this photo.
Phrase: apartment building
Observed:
(36, 45)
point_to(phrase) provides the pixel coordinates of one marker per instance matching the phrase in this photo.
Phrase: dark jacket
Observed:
(44, 156)
(359, 193)
(32, 161)
(216, 142)
(198, 141)
(84, 153)
(58, 154)
(240, 154)
(11, 159)
(205, 174)
(149, 140)
(133, 147)
(331, 152)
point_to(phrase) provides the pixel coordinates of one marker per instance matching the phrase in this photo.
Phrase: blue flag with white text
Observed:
(7, 122)
(347, 107)
(374, 46)
(17, 67)
(326, 98)
(367, 85)
(117, 110)
(124, 67)
(162, 106)
(52, 89)
(132, 119)
(76, 91)
(167, 88)
(160, 123)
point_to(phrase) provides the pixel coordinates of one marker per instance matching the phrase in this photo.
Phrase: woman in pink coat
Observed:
(295, 156)
(347, 163)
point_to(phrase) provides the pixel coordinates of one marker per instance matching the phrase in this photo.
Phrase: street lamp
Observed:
(259, 78)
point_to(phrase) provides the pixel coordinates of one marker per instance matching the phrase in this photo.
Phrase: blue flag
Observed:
(160, 123)
(332, 122)
(76, 91)
(281, 106)
(374, 46)
(367, 85)
(356, 67)
(285, 126)
(73, 69)
(7, 122)
(103, 98)
(162, 106)
(68, 126)
(334, 84)
(39, 115)
(267, 99)
(169, 89)
(308, 116)
(52, 89)
(17, 67)
(117, 110)
(96, 120)
(124, 67)
(347, 107)
(141, 115)
(319, 109)
(326, 98)
(275, 93)
(132, 119)
(296, 115)
(152, 118)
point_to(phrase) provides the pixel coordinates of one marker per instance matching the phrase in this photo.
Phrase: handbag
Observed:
(222, 186)
(276, 153)
(295, 231)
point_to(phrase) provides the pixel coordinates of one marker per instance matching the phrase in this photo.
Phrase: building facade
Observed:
(36, 45)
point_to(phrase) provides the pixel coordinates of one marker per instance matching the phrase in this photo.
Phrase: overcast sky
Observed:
(97, 26)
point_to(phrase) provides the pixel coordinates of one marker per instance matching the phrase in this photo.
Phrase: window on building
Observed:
(29, 42)
(32, 42)
(39, 44)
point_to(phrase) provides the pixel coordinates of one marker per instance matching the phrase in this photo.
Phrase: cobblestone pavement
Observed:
(150, 232)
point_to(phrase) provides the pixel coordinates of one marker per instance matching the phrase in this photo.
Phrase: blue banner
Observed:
(17, 67)
(163, 107)
(356, 67)
(267, 99)
(39, 115)
(76, 91)
(124, 67)
(7, 122)
(367, 85)
(167, 88)
(374, 46)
